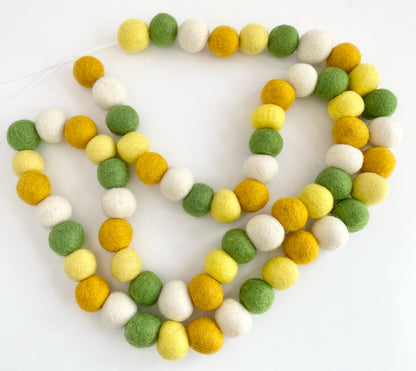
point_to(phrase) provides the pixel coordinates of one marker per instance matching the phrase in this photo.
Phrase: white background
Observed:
(353, 309)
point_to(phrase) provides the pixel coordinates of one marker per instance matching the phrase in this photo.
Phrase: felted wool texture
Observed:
(150, 168)
(79, 130)
(265, 232)
(283, 40)
(131, 146)
(364, 78)
(262, 168)
(163, 29)
(53, 210)
(345, 56)
(122, 120)
(100, 148)
(303, 77)
(118, 310)
(379, 103)
(344, 157)
(115, 234)
(280, 272)
(223, 41)
(176, 183)
(193, 35)
(66, 237)
(385, 132)
(145, 288)
(27, 160)
(142, 330)
(221, 266)
(92, 293)
(233, 319)
(353, 213)
(252, 195)
(278, 92)
(237, 244)
(314, 47)
(198, 200)
(253, 39)
(291, 213)
(206, 292)
(336, 181)
(256, 295)
(332, 81)
(22, 135)
(301, 246)
(330, 232)
(113, 173)
(133, 35)
(204, 336)
(370, 188)
(118, 203)
(87, 70)
(347, 104)
(225, 207)
(33, 187)
(50, 124)
(351, 131)
(267, 116)
(174, 301)
(379, 160)
(266, 141)
(80, 265)
(125, 264)
(172, 342)
(317, 199)
(108, 92)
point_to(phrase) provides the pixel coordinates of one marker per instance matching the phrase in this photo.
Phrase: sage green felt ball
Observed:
(198, 200)
(142, 330)
(66, 237)
(237, 244)
(22, 135)
(122, 120)
(332, 81)
(266, 141)
(163, 29)
(379, 103)
(353, 213)
(256, 295)
(113, 173)
(283, 40)
(336, 181)
(145, 288)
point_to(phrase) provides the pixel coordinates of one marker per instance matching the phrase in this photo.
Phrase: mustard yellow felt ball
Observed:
(133, 35)
(347, 104)
(126, 264)
(317, 199)
(370, 188)
(100, 148)
(379, 160)
(291, 213)
(150, 168)
(33, 187)
(172, 342)
(206, 292)
(223, 41)
(253, 39)
(115, 234)
(252, 195)
(204, 336)
(351, 131)
(92, 293)
(221, 266)
(268, 116)
(80, 264)
(280, 272)
(278, 92)
(79, 130)
(301, 247)
(131, 146)
(87, 70)
(27, 160)
(225, 206)
(364, 79)
(345, 56)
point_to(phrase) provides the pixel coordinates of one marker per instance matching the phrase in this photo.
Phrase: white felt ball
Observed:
(330, 232)
(108, 92)
(344, 157)
(53, 210)
(232, 318)
(174, 301)
(265, 232)
(118, 203)
(50, 124)
(176, 183)
(385, 132)
(193, 35)
(118, 309)
(314, 47)
(303, 77)
(260, 167)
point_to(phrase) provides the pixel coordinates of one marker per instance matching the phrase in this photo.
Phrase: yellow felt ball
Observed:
(291, 213)
(253, 39)
(252, 195)
(131, 146)
(206, 292)
(225, 206)
(301, 247)
(268, 116)
(204, 336)
(80, 264)
(317, 199)
(172, 342)
(125, 264)
(79, 130)
(370, 188)
(33, 187)
(115, 234)
(27, 160)
(345, 56)
(221, 266)
(347, 104)
(92, 293)
(280, 272)
(351, 131)
(379, 160)
(223, 41)
(364, 79)
(100, 148)
(133, 35)
(278, 92)
(150, 168)
(87, 70)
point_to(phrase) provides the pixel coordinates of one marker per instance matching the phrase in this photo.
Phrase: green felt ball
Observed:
(122, 120)
(379, 103)
(145, 288)
(266, 141)
(256, 295)
(66, 237)
(198, 200)
(163, 29)
(22, 135)
(113, 173)
(337, 182)
(353, 213)
(332, 81)
(142, 330)
(237, 244)
(283, 40)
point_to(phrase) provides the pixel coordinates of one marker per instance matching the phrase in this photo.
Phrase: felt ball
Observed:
(225, 207)
(118, 310)
(50, 125)
(317, 199)
(115, 234)
(27, 160)
(122, 120)
(113, 173)
(176, 183)
(267, 116)
(174, 301)
(291, 213)
(150, 168)
(133, 35)
(22, 135)
(364, 78)
(303, 77)
(345, 56)
(79, 130)
(370, 188)
(204, 336)
(92, 293)
(172, 342)
(163, 29)
(379, 103)
(344, 157)
(330, 232)
(223, 41)
(221, 266)
(332, 81)
(351, 131)
(353, 213)
(314, 47)
(80, 265)
(266, 142)
(336, 181)
(193, 35)
(33, 187)
(125, 264)
(301, 246)
(265, 232)
(253, 39)
(131, 146)
(237, 244)
(53, 210)
(256, 295)
(108, 92)
(66, 237)
(100, 148)
(347, 104)
(118, 203)
(145, 288)
(283, 40)
(142, 330)
(278, 92)
(198, 200)
(252, 195)
(232, 318)
(87, 70)
(280, 272)
(262, 168)
(385, 132)
(206, 292)
(379, 160)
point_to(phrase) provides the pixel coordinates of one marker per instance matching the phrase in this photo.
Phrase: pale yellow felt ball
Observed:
(317, 199)
(133, 35)
(225, 206)
(280, 272)
(100, 148)
(27, 160)
(126, 264)
(172, 342)
(268, 116)
(80, 265)
(131, 146)
(347, 104)
(221, 266)
(370, 188)
(364, 78)
(253, 39)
